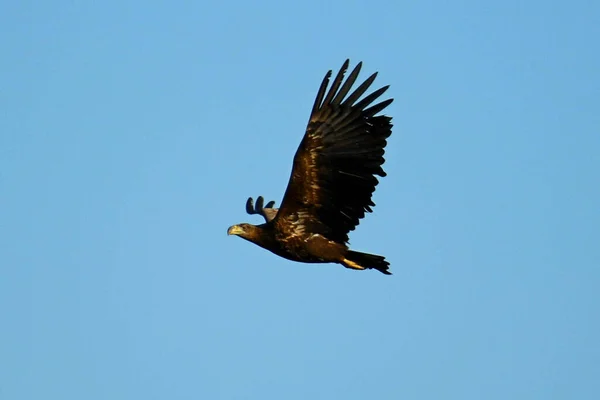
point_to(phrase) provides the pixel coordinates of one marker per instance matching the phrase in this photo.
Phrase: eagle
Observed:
(332, 180)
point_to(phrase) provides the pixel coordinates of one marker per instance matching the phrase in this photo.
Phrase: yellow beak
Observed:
(235, 230)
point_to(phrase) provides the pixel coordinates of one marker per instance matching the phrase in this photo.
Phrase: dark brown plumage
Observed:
(332, 180)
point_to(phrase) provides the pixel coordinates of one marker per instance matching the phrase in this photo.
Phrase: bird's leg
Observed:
(327, 250)
(351, 264)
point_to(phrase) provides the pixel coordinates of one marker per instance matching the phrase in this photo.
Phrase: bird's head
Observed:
(242, 230)
(253, 233)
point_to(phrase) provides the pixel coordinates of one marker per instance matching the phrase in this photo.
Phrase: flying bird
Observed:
(332, 181)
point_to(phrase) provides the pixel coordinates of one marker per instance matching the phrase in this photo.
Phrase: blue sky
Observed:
(131, 134)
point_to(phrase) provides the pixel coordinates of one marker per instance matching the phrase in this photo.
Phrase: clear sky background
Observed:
(131, 134)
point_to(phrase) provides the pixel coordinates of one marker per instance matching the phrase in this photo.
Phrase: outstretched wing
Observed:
(333, 176)
(267, 211)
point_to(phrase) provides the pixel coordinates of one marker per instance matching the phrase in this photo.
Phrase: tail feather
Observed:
(357, 260)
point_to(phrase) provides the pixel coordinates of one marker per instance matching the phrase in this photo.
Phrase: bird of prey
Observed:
(332, 180)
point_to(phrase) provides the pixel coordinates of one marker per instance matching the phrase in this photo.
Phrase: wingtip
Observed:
(344, 69)
(249, 205)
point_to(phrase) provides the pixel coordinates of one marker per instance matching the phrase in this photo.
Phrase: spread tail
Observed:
(356, 260)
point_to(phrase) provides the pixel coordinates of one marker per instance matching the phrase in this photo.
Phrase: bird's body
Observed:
(332, 180)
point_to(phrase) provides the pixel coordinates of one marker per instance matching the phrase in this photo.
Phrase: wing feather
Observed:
(321, 93)
(360, 90)
(335, 167)
(339, 97)
(336, 83)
